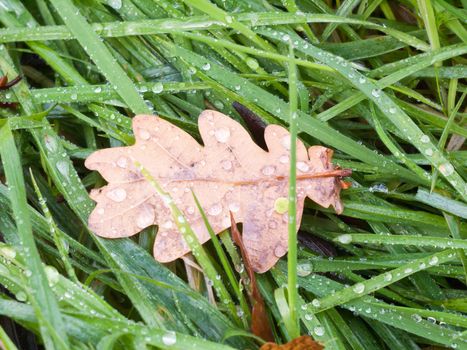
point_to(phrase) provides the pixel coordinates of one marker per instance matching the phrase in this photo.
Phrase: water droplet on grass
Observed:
(376, 93)
(21, 296)
(316, 303)
(252, 63)
(62, 167)
(115, 4)
(52, 275)
(157, 88)
(319, 331)
(425, 139)
(8, 252)
(345, 239)
(169, 338)
(358, 288)
(433, 261)
(446, 169)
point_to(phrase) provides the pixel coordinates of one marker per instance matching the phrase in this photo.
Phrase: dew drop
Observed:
(167, 225)
(169, 338)
(98, 90)
(286, 37)
(222, 135)
(117, 195)
(304, 269)
(62, 167)
(388, 277)
(429, 152)
(417, 318)
(52, 275)
(144, 134)
(226, 165)
(279, 251)
(425, 139)
(157, 88)
(21, 296)
(362, 80)
(316, 303)
(358, 288)
(345, 239)
(379, 188)
(115, 4)
(74, 97)
(8, 252)
(446, 169)
(319, 331)
(303, 167)
(206, 67)
(376, 93)
(190, 210)
(122, 162)
(268, 170)
(218, 104)
(433, 261)
(252, 63)
(286, 142)
(100, 211)
(308, 317)
(284, 159)
(228, 19)
(392, 110)
(50, 143)
(215, 210)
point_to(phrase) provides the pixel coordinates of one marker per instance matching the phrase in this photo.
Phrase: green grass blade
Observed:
(45, 304)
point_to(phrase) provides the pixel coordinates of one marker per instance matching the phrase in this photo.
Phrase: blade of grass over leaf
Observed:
(292, 222)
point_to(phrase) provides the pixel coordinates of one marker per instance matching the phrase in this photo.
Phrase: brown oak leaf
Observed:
(228, 173)
(301, 343)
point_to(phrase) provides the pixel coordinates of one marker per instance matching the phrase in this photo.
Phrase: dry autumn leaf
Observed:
(229, 173)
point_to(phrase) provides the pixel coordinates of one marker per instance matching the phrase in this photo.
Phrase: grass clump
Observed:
(380, 82)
